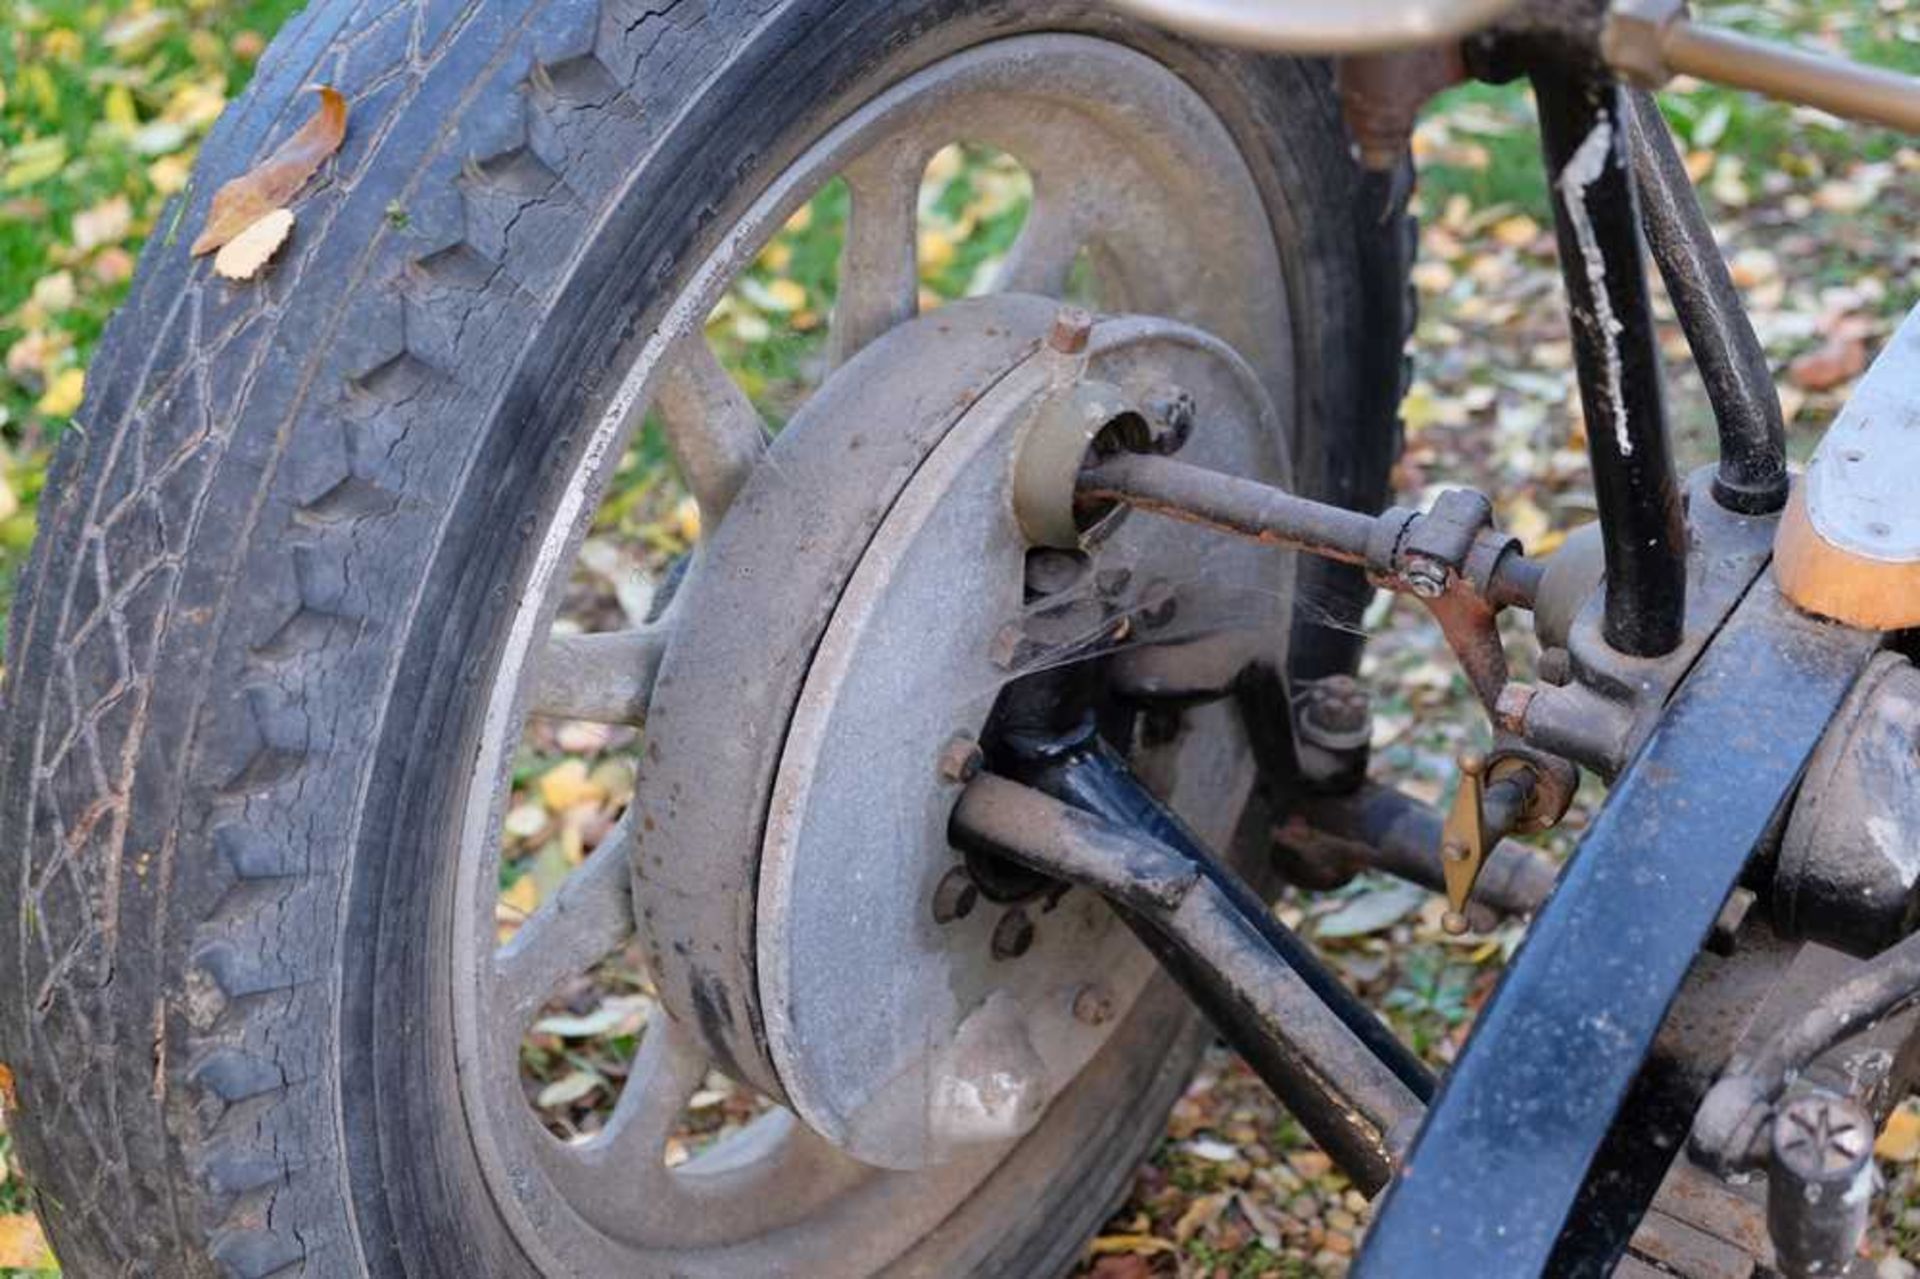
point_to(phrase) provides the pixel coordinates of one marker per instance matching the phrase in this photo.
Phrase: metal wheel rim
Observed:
(609, 1204)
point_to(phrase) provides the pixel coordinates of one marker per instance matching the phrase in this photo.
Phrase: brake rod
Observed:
(1390, 546)
(1354, 1103)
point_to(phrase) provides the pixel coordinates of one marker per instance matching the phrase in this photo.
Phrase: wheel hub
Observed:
(877, 588)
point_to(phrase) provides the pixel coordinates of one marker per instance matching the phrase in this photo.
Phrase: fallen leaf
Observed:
(1214, 1152)
(63, 395)
(1201, 1213)
(620, 1015)
(107, 222)
(8, 1101)
(242, 257)
(55, 293)
(568, 783)
(272, 183)
(522, 898)
(1843, 356)
(1107, 1245)
(1373, 911)
(22, 1245)
(568, 1089)
(1126, 1265)
(1900, 1140)
(33, 162)
(1516, 232)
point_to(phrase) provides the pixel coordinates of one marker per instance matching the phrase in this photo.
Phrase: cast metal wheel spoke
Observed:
(672, 1065)
(588, 919)
(607, 679)
(1042, 259)
(879, 262)
(715, 433)
(619, 1177)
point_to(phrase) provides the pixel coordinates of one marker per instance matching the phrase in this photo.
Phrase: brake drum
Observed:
(874, 569)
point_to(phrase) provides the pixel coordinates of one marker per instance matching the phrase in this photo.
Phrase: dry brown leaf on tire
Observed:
(272, 183)
(242, 257)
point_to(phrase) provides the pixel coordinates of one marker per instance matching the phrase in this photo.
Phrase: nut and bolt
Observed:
(1013, 935)
(961, 758)
(955, 896)
(1426, 578)
(1093, 1005)
(1510, 708)
(1335, 709)
(1072, 328)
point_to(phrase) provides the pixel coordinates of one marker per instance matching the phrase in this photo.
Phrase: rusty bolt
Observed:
(1093, 1005)
(1072, 328)
(1510, 708)
(960, 758)
(1013, 935)
(1426, 578)
(955, 896)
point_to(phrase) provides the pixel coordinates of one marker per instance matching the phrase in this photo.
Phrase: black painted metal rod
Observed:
(1341, 1091)
(1752, 475)
(1583, 133)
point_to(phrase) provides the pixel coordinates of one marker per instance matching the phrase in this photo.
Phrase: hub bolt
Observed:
(1013, 935)
(1072, 328)
(1092, 1006)
(961, 758)
(1426, 578)
(955, 896)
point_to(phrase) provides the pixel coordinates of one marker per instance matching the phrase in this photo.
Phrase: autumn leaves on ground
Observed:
(102, 105)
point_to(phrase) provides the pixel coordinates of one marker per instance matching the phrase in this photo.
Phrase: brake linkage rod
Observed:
(1451, 557)
(1404, 550)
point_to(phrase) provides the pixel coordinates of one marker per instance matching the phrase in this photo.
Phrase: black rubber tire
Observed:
(268, 585)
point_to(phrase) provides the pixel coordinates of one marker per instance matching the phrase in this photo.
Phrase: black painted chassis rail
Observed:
(1547, 1139)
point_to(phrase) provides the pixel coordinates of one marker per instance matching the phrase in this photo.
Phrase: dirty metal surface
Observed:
(1849, 867)
(1116, 145)
(1523, 1115)
(905, 1040)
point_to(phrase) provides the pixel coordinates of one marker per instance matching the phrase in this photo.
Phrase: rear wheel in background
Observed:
(290, 615)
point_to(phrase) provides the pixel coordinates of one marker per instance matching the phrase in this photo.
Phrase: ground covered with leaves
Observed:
(101, 107)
